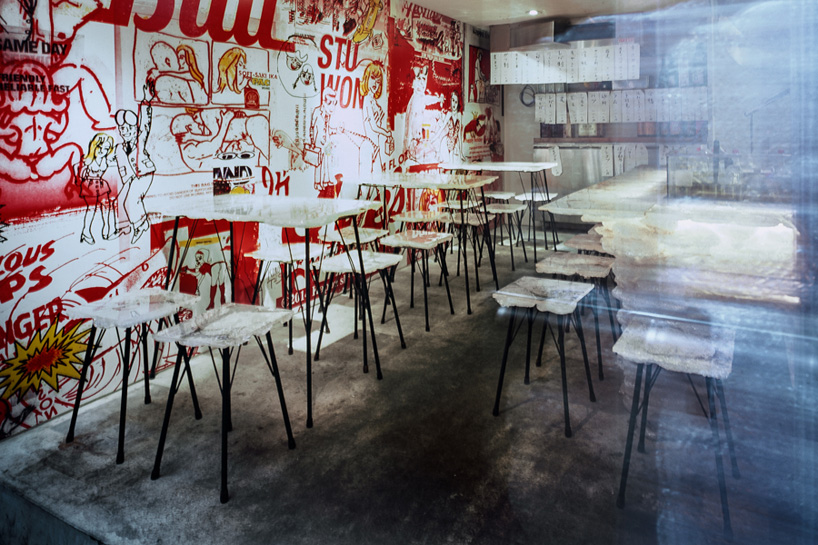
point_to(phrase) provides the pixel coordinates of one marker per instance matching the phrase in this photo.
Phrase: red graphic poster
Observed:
(426, 96)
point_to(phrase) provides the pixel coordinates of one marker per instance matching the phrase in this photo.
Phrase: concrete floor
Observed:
(418, 458)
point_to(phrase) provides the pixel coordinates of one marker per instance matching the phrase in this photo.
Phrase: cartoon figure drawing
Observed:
(95, 189)
(416, 113)
(211, 281)
(232, 65)
(135, 166)
(480, 80)
(318, 152)
(175, 77)
(449, 130)
(205, 134)
(377, 135)
(281, 139)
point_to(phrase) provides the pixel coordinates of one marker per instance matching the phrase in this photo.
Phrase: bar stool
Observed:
(505, 212)
(597, 270)
(344, 264)
(531, 199)
(126, 311)
(225, 329)
(423, 241)
(681, 347)
(529, 295)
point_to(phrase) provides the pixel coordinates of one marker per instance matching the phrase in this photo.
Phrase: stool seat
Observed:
(471, 219)
(280, 253)
(457, 205)
(504, 208)
(499, 195)
(569, 264)
(536, 196)
(544, 294)
(132, 308)
(682, 347)
(419, 216)
(348, 263)
(347, 235)
(586, 242)
(420, 240)
(228, 326)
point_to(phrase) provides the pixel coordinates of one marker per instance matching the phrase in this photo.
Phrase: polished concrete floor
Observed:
(418, 458)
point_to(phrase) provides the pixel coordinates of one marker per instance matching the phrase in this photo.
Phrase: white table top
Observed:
(586, 242)
(292, 212)
(427, 180)
(228, 326)
(501, 166)
(132, 308)
(568, 263)
(627, 195)
(544, 294)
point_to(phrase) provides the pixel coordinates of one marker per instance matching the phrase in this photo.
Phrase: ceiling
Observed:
(484, 13)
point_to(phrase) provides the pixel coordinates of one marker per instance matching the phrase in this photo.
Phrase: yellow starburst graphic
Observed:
(46, 358)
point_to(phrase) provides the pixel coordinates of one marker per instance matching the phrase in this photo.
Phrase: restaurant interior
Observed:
(384, 271)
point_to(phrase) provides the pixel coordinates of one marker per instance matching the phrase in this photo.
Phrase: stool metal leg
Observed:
(277, 376)
(387, 281)
(146, 370)
(441, 257)
(650, 378)
(509, 338)
(727, 432)
(714, 427)
(425, 274)
(90, 351)
(561, 342)
(123, 405)
(529, 315)
(578, 327)
(160, 449)
(623, 481)
(595, 311)
(225, 352)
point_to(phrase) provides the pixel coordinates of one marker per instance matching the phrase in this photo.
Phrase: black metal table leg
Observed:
(623, 480)
(90, 351)
(225, 352)
(160, 449)
(561, 342)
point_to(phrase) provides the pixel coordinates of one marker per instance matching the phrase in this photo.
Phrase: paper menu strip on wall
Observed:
(627, 106)
(572, 66)
(598, 107)
(607, 160)
(616, 107)
(650, 104)
(545, 108)
(561, 108)
(578, 107)
(495, 69)
(633, 60)
(620, 62)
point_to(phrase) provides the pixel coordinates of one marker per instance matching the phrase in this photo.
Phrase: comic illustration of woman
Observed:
(231, 66)
(95, 189)
(175, 77)
(378, 136)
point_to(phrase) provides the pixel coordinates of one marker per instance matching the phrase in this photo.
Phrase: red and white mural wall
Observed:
(106, 106)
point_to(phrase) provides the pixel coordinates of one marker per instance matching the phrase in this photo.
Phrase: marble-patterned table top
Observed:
(684, 347)
(544, 294)
(132, 308)
(504, 208)
(569, 263)
(228, 326)
(427, 180)
(501, 166)
(278, 211)
(536, 196)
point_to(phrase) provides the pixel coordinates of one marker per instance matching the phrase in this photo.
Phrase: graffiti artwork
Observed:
(106, 108)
